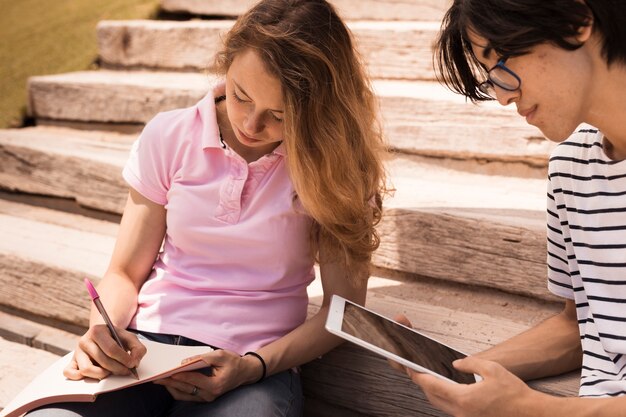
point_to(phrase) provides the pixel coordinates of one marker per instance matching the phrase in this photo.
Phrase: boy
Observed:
(561, 63)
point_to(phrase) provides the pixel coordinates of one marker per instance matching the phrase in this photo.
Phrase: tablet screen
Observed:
(403, 342)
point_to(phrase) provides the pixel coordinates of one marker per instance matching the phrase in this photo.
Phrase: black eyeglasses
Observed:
(500, 76)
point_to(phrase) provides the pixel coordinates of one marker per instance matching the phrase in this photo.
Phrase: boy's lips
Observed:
(527, 112)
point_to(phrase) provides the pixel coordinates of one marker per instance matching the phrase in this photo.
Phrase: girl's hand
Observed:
(229, 371)
(98, 355)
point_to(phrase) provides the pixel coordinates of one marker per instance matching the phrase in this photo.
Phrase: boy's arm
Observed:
(501, 393)
(550, 348)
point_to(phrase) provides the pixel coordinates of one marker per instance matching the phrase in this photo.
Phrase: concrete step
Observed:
(392, 50)
(440, 223)
(348, 9)
(421, 118)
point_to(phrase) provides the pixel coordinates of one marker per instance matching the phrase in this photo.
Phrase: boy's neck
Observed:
(608, 109)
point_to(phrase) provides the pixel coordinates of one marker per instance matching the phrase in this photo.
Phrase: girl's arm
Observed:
(311, 339)
(138, 242)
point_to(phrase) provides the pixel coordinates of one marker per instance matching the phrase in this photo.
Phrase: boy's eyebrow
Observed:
(247, 95)
(487, 51)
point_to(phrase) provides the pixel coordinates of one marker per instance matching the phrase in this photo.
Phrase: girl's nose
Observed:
(253, 124)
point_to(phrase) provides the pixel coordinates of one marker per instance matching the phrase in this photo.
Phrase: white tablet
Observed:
(394, 341)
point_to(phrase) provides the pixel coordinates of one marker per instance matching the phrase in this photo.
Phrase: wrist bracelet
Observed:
(256, 355)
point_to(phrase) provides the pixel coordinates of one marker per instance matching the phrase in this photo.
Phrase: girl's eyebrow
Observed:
(247, 95)
(241, 89)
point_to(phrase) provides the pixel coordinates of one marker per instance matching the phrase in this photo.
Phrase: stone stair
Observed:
(463, 237)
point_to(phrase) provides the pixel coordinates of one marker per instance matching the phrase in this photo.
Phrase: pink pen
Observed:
(96, 300)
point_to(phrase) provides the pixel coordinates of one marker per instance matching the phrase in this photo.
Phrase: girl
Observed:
(231, 203)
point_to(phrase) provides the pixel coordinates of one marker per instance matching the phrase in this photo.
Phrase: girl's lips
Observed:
(246, 137)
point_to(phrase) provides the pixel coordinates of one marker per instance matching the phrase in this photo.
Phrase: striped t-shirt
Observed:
(587, 254)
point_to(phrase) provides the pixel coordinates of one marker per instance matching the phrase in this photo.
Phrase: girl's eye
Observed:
(239, 99)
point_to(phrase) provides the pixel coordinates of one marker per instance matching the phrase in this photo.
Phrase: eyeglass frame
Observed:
(491, 84)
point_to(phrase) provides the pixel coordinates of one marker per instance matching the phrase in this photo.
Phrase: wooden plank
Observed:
(491, 229)
(189, 45)
(80, 165)
(419, 117)
(113, 97)
(397, 50)
(49, 260)
(424, 118)
(433, 306)
(383, 391)
(17, 329)
(19, 364)
(53, 268)
(60, 162)
(502, 252)
(393, 50)
(348, 9)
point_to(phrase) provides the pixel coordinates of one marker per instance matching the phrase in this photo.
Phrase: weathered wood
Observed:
(485, 245)
(53, 269)
(85, 166)
(419, 117)
(424, 118)
(113, 97)
(348, 9)
(510, 256)
(19, 364)
(382, 391)
(389, 393)
(17, 329)
(43, 264)
(50, 272)
(188, 45)
(394, 50)
(398, 50)
(55, 295)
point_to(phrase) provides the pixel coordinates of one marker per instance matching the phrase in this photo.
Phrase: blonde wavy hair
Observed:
(332, 136)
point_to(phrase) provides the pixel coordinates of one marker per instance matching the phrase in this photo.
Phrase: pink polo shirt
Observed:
(236, 262)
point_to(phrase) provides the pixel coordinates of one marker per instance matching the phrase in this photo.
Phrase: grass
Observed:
(50, 37)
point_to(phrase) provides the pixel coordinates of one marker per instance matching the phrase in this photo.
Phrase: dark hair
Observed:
(513, 27)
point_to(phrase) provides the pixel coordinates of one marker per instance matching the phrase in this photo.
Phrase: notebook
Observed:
(161, 360)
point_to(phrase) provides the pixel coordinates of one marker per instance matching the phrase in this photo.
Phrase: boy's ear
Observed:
(584, 32)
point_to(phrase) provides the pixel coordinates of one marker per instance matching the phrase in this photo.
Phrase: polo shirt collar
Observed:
(208, 116)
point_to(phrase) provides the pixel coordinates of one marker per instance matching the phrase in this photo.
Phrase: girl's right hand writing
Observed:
(98, 355)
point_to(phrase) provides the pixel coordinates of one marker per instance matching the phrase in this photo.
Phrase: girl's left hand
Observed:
(229, 371)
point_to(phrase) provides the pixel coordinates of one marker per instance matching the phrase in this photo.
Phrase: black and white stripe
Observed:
(587, 254)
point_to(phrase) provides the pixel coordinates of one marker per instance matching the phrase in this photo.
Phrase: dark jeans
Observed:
(277, 395)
